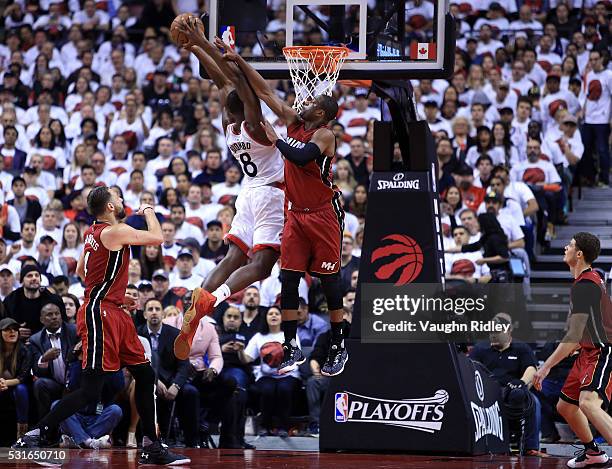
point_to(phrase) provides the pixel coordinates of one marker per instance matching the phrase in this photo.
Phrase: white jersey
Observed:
(262, 164)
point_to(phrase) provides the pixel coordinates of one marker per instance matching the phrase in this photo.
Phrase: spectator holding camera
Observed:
(50, 348)
(15, 363)
(275, 390)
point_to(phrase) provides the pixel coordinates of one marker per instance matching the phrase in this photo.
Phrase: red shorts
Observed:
(312, 240)
(109, 337)
(591, 372)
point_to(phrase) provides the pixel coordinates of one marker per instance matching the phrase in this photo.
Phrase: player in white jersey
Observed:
(256, 228)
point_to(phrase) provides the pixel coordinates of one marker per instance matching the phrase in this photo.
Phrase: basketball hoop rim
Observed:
(321, 59)
(293, 51)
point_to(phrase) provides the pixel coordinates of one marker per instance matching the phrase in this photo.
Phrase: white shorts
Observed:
(259, 219)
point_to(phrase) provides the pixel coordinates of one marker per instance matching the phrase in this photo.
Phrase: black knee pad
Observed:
(332, 287)
(290, 282)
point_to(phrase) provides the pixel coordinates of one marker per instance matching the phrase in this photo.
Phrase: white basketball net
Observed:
(314, 70)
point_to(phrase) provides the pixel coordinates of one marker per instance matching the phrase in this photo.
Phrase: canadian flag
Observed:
(423, 50)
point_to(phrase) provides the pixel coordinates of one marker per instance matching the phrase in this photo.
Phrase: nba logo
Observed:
(341, 400)
(228, 36)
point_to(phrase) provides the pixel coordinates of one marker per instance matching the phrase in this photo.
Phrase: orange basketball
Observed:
(178, 37)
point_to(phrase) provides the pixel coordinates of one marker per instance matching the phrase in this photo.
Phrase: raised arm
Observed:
(224, 71)
(117, 236)
(261, 88)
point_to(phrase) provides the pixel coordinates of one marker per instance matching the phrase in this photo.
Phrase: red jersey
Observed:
(589, 296)
(310, 186)
(106, 272)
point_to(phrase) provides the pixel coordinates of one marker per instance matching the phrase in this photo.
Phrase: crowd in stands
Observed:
(96, 93)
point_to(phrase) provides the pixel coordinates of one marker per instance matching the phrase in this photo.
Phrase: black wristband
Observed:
(143, 211)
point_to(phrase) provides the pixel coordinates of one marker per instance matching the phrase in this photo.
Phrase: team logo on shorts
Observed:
(341, 407)
(403, 255)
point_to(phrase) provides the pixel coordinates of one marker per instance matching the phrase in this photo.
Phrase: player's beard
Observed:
(120, 213)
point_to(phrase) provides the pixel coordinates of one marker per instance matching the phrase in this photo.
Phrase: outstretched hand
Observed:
(269, 130)
(228, 53)
(193, 28)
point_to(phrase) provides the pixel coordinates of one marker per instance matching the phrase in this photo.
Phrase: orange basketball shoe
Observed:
(202, 304)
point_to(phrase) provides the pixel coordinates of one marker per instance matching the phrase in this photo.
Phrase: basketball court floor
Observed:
(234, 459)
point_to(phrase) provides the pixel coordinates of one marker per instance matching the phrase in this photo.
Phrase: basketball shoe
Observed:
(336, 360)
(292, 358)
(157, 454)
(585, 459)
(202, 304)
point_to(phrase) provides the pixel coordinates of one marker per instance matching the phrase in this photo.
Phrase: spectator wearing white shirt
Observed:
(170, 248)
(201, 266)
(546, 53)
(135, 189)
(555, 99)
(419, 15)
(533, 70)
(355, 121)
(526, 21)
(69, 51)
(466, 266)
(98, 161)
(48, 227)
(90, 18)
(196, 212)
(165, 150)
(567, 149)
(544, 181)
(495, 17)
(138, 161)
(43, 178)
(501, 96)
(435, 123)
(184, 276)
(519, 82)
(230, 187)
(184, 230)
(596, 128)
(54, 21)
(131, 125)
(523, 116)
(486, 43)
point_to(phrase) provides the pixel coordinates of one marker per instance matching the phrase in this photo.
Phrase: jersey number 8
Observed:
(248, 166)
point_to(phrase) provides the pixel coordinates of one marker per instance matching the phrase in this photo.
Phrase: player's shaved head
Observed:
(97, 200)
(329, 105)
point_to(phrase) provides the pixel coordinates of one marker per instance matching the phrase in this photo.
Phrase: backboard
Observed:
(389, 39)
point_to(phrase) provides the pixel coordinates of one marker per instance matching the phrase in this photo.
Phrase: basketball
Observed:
(178, 37)
(272, 354)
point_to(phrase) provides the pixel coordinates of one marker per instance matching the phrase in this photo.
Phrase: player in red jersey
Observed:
(586, 393)
(108, 336)
(312, 236)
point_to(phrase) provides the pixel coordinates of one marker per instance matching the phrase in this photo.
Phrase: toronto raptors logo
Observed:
(403, 255)
(533, 176)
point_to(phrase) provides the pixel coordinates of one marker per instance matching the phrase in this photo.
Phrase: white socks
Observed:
(221, 294)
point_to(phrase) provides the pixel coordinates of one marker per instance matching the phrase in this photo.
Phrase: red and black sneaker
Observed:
(202, 304)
